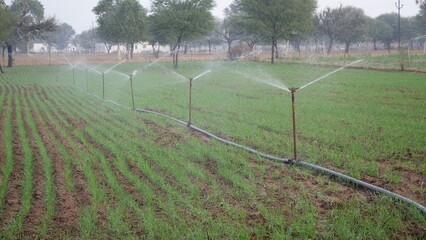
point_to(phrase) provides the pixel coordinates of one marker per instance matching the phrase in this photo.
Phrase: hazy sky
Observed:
(78, 13)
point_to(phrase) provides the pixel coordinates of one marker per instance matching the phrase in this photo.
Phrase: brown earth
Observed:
(38, 209)
(14, 194)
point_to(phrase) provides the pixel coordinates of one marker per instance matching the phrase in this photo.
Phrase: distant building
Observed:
(43, 48)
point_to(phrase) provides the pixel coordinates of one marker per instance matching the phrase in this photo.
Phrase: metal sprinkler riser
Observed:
(190, 103)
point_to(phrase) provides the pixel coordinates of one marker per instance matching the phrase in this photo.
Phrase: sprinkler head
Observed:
(293, 89)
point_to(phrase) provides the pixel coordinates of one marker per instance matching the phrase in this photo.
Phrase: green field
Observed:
(76, 166)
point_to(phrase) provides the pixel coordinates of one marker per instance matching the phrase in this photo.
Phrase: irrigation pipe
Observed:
(314, 167)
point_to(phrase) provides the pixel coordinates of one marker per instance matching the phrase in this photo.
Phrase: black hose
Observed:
(299, 163)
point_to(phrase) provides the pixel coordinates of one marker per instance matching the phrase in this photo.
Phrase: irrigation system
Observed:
(190, 96)
(293, 91)
(291, 161)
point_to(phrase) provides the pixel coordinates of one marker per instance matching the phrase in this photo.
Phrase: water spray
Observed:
(330, 73)
(116, 65)
(202, 74)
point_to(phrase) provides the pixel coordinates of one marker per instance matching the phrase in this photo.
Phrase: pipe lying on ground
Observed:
(299, 163)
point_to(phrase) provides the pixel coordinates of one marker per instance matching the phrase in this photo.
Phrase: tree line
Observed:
(178, 23)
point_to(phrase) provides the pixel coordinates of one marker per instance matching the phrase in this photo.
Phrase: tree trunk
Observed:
(157, 55)
(229, 41)
(330, 44)
(153, 49)
(9, 55)
(347, 45)
(119, 52)
(132, 48)
(273, 51)
(210, 47)
(1, 69)
(316, 46)
(28, 48)
(250, 44)
(375, 45)
(277, 55)
(49, 50)
(176, 55)
(127, 52)
(108, 47)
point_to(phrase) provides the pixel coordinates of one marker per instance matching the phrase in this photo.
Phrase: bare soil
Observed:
(14, 196)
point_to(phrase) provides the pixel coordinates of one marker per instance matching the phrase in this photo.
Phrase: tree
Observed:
(87, 39)
(181, 20)
(386, 32)
(375, 30)
(122, 22)
(231, 29)
(351, 26)
(30, 23)
(279, 19)
(409, 30)
(30, 12)
(215, 36)
(327, 22)
(316, 34)
(7, 24)
(421, 17)
(389, 32)
(155, 36)
(61, 37)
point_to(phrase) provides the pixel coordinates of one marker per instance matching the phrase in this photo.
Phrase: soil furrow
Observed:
(78, 125)
(81, 194)
(13, 200)
(38, 209)
(67, 209)
(107, 153)
(5, 105)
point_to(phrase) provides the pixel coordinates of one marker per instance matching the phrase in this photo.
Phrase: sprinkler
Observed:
(190, 95)
(103, 86)
(131, 89)
(190, 102)
(293, 91)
